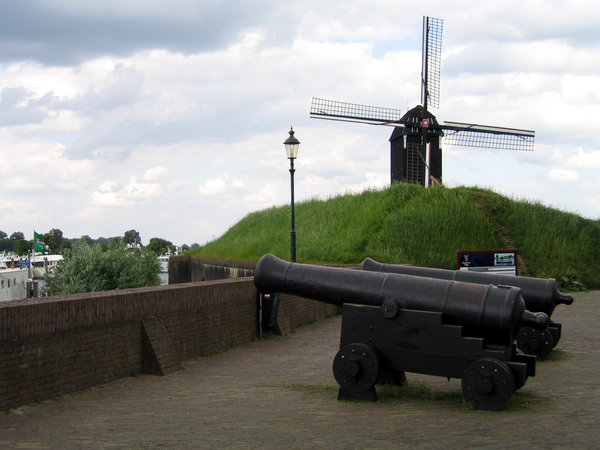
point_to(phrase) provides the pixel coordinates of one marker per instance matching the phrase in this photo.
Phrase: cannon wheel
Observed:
(488, 384)
(356, 368)
(535, 342)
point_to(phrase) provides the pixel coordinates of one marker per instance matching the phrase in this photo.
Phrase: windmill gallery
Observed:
(416, 152)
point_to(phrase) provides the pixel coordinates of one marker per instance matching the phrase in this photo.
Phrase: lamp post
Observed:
(291, 148)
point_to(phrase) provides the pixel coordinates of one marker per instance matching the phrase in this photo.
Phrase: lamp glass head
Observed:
(291, 145)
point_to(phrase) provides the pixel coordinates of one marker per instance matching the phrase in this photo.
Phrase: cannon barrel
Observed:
(495, 313)
(540, 294)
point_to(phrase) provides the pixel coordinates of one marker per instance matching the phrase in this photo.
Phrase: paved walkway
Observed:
(279, 393)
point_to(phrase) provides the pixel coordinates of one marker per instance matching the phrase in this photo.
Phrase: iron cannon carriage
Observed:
(393, 323)
(539, 294)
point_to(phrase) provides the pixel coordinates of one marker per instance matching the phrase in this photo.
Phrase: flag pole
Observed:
(31, 272)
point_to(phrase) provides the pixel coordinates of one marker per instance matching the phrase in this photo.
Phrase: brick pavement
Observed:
(279, 393)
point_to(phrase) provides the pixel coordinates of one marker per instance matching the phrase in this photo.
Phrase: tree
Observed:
(6, 245)
(22, 246)
(50, 243)
(17, 236)
(159, 246)
(57, 237)
(87, 268)
(66, 245)
(85, 238)
(132, 237)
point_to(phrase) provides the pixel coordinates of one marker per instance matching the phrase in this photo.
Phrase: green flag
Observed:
(38, 244)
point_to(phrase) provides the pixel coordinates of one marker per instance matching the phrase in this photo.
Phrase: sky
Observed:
(169, 117)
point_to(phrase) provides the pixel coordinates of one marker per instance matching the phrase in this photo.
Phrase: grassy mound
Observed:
(409, 224)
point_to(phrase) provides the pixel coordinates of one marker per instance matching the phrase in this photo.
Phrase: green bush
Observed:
(95, 268)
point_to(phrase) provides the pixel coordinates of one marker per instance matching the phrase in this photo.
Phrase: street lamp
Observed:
(291, 148)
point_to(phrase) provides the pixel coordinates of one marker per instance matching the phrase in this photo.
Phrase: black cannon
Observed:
(395, 323)
(539, 294)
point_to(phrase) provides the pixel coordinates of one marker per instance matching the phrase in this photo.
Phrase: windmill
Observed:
(416, 153)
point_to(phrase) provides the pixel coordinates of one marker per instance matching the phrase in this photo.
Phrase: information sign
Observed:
(501, 262)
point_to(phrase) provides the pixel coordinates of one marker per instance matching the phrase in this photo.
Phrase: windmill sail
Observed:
(352, 112)
(482, 136)
(457, 133)
(432, 62)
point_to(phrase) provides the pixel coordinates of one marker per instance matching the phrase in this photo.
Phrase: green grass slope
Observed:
(409, 224)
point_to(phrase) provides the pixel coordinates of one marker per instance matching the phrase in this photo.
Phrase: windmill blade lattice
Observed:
(352, 112)
(432, 61)
(481, 136)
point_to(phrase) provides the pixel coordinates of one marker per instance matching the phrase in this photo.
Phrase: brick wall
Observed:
(297, 311)
(56, 345)
(185, 269)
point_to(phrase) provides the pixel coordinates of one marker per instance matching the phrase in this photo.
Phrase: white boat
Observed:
(163, 261)
(13, 283)
(44, 265)
(21, 277)
(9, 260)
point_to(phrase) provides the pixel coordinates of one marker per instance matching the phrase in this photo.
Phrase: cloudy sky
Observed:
(169, 117)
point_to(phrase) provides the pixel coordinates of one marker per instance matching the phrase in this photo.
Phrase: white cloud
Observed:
(594, 202)
(108, 199)
(141, 191)
(107, 186)
(563, 175)
(33, 165)
(156, 174)
(238, 184)
(133, 192)
(214, 186)
(265, 196)
(584, 160)
(181, 185)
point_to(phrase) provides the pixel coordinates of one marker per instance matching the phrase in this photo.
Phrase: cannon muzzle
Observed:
(495, 313)
(540, 294)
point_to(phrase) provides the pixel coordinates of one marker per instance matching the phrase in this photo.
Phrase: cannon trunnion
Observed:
(394, 323)
(539, 294)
